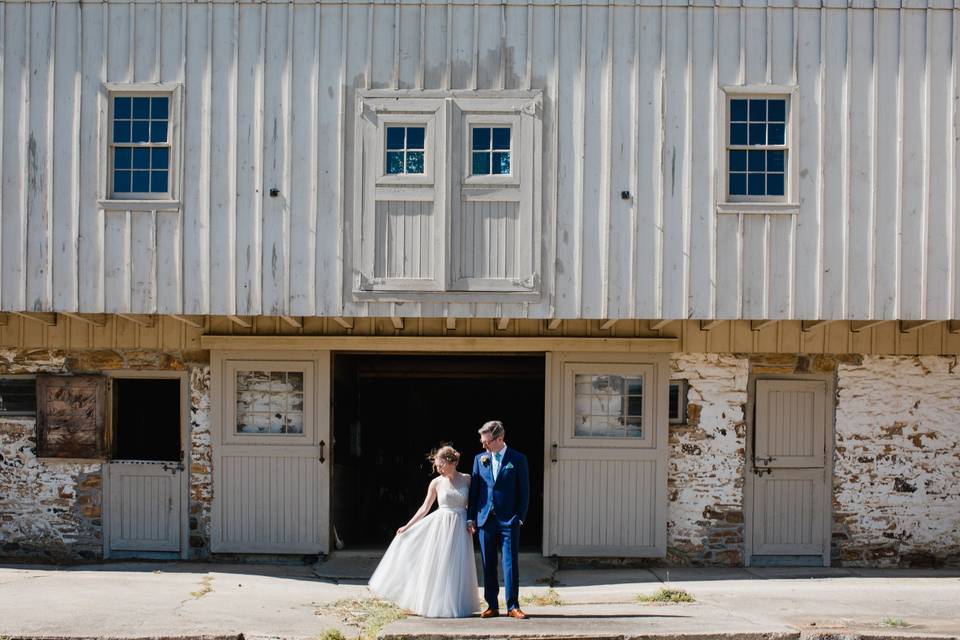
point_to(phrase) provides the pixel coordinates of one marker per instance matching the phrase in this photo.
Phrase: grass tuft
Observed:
(666, 595)
(369, 615)
(332, 634)
(894, 622)
(206, 587)
(549, 599)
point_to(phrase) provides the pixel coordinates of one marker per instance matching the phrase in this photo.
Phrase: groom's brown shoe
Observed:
(489, 613)
(516, 613)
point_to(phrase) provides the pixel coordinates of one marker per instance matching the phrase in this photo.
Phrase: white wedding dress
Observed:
(429, 569)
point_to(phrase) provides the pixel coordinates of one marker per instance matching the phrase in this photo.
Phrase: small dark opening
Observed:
(18, 396)
(146, 419)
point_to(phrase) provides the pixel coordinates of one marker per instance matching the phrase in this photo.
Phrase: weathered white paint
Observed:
(896, 477)
(631, 94)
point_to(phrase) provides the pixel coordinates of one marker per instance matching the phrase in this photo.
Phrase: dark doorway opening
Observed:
(390, 411)
(146, 419)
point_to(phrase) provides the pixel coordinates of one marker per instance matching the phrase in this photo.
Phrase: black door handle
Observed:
(322, 445)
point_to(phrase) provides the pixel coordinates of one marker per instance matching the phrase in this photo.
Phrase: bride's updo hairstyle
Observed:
(446, 454)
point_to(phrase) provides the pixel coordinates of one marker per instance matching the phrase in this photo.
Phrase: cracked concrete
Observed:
(140, 600)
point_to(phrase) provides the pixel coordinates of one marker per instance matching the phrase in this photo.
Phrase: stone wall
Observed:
(705, 477)
(50, 509)
(896, 485)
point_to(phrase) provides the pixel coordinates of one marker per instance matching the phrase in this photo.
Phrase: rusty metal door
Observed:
(789, 480)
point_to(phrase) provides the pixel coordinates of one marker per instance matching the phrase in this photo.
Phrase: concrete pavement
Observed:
(143, 599)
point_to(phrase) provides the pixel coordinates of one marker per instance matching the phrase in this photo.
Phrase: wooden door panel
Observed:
(791, 424)
(790, 503)
(144, 506)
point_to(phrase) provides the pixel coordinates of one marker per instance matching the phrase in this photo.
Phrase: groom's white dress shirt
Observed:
(497, 462)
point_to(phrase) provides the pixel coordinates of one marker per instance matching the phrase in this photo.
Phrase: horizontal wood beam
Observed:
(293, 322)
(859, 325)
(144, 320)
(656, 325)
(244, 322)
(908, 326)
(397, 322)
(554, 323)
(191, 321)
(407, 344)
(96, 319)
(48, 319)
(502, 324)
(707, 325)
(810, 325)
(346, 323)
(757, 325)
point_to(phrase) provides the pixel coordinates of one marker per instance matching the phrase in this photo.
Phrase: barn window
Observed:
(18, 396)
(269, 401)
(405, 150)
(757, 147)
(490, 150)
(140, 144)
(608, 406)
(448, 195)
(677, 409)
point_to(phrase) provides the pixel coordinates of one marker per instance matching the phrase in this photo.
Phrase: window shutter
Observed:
(402, 216)
(71, 417)
(495, 219)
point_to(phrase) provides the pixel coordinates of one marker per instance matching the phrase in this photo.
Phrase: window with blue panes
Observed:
(140, 146)
(405, 150)
(490, 149)
(757, 148)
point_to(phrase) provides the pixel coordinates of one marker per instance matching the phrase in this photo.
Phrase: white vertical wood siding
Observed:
(630, 104)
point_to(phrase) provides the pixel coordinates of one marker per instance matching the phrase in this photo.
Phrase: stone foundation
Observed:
(896, 486)
(705, 476)
(50, 510)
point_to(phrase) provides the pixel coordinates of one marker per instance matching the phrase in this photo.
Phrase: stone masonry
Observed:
(896, 484)
(705, 476)
(51, 509)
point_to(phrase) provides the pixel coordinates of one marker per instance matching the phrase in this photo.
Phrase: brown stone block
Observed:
(144, 358)
(693, 414)
(94, 360)
(733, 517)
(195, 357)
(90, 511)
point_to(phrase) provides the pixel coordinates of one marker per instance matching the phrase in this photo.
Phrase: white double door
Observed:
(271, 452)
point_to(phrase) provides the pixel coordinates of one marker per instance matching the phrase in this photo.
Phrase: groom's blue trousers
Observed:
(495, 537)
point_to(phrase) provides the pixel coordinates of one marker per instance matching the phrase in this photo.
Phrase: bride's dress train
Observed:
(429, 569)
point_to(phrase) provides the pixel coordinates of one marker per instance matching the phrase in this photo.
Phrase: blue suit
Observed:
(499, 507)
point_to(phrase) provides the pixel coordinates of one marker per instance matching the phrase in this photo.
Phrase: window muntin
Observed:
(269, 402)
(756, 148)
(405, 150)
(608, 406)
(140, 146)
(490, 151)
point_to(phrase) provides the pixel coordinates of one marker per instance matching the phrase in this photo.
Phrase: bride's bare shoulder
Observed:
(465, 476)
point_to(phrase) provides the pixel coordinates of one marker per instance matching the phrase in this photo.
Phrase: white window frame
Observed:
(447, 165)
(157, 201)
(787, 203)
(230, 433)
(649, 425)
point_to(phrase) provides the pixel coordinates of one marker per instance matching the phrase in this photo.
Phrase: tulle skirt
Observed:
(429, 569)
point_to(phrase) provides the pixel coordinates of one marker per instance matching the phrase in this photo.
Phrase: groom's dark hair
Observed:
(494, 428)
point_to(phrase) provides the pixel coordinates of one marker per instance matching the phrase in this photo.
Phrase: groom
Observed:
(499, 495)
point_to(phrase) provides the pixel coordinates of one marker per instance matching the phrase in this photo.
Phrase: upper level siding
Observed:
(630, 98)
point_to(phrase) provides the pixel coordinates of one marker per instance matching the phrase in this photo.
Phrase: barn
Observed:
(700, 257)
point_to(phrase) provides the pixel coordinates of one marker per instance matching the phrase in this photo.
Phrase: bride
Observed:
(429, 567)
